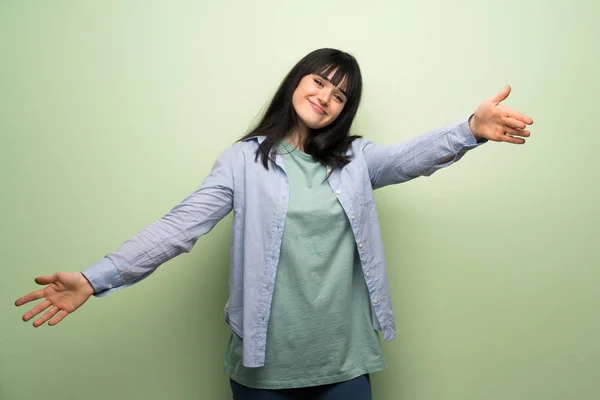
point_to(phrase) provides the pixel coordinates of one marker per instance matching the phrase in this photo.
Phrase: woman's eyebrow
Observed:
(341, 90)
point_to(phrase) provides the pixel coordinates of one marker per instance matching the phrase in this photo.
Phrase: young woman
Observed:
(308, 284)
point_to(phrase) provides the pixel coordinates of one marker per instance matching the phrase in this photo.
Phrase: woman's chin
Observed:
(313, 123)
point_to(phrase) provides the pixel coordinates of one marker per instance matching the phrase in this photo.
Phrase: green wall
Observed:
(111, 112)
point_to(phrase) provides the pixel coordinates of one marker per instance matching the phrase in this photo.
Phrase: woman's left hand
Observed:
(495, 122)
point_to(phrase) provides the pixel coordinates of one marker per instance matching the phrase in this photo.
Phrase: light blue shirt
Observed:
(259, 200)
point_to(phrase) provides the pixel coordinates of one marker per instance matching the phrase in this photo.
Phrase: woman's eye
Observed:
(339, 98)
(318, 82)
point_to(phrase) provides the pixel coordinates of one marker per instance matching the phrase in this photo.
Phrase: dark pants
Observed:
(354, 389)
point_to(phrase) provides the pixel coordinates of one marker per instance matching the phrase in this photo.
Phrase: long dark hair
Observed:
(329, 144)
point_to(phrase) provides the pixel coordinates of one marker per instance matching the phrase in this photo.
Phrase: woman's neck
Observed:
(297, 137)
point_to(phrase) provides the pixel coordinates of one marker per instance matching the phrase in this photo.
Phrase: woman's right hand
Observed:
(65, 293)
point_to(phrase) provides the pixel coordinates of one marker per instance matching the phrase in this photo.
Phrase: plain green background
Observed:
(111, 112)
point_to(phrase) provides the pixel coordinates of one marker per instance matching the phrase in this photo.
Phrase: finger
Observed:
(59, 317)
(46, 316)
(518, 116)
(510, 139)
(502, 95)
(36, 310)
(38, 294)
(517, 132)
(514, 123)
(46, 279)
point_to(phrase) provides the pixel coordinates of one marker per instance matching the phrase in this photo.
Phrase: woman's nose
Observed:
(324, 97)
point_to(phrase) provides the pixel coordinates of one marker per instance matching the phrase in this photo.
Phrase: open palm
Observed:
(65, 293)
(494, 121)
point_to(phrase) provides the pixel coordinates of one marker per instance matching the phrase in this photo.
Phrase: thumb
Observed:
(46, 280)
(503, 94)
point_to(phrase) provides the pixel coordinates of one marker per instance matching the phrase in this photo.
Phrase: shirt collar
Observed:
(261, 139)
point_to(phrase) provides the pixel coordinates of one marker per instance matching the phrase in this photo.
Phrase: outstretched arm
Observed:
(176, 232)
(171, 235)
(440, 148)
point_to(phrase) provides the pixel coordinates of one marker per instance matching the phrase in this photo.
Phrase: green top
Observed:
(320, 330)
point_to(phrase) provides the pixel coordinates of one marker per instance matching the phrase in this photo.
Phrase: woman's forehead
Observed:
(340, 80)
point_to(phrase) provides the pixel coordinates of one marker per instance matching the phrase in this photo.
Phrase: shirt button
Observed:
(367, 274)
(375, 300)
(110, 285)
(463, 139)
(338, 191)
(328, 170)
(352, 217)
(360, 245)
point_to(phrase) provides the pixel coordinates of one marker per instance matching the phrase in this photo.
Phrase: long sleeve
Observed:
(420, 156)
(171, 235)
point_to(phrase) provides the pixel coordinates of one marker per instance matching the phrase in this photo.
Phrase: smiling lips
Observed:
(317, 108)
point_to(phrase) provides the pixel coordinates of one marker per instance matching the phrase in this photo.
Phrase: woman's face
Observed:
(317, 101)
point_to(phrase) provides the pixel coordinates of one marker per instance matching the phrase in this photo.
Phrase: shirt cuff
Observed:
(461, 141)
(103, 276)
(465, 131)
